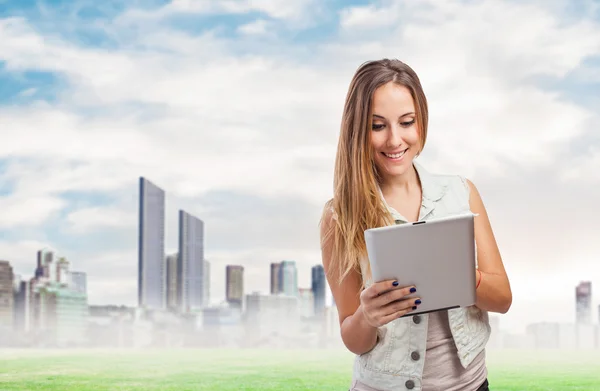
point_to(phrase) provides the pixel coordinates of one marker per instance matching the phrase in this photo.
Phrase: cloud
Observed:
(83, 220)
(367, 17)
(258, 27)
(28, 210)
(295, 14)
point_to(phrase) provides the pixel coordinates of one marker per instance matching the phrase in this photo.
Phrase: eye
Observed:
(407, 124)
(377, 126)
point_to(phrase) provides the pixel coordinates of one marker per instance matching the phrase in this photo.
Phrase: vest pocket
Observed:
(391, 350)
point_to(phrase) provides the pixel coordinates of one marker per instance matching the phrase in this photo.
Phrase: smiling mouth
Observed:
(395, 155)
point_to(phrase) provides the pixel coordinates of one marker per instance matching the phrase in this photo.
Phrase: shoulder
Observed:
(328, 216)
(329, 211)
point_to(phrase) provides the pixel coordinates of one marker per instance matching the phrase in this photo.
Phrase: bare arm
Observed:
(362, 312)
(493, 293)
(358, 336)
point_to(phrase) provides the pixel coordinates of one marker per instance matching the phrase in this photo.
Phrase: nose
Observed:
(395, 136)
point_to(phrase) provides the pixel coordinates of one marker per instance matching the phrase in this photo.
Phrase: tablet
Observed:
(437, 256)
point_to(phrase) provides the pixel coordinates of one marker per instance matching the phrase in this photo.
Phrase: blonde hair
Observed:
(356, 202)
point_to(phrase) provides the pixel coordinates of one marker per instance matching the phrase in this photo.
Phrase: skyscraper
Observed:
(318, 288)
(6, 296)
(79, 282)
(172, 302)
(234, 276)
(275, 282)
(206, 283)
(62, 271)
(151, 246)
(583, 302)
(21, 306)
(288, 278)
(45, 264)
(190, 265)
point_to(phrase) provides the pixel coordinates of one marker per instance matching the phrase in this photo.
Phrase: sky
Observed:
(233, 108)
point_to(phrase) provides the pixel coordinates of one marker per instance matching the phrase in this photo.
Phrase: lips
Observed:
(395, 155)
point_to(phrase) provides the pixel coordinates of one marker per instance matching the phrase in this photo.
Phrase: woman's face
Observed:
(394, 133)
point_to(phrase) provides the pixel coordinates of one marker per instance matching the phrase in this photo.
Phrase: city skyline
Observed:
(237, 113)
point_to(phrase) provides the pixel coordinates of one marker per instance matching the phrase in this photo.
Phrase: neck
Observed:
(404, 183)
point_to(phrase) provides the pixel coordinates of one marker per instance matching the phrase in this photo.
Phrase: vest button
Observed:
(410, 384)
(415, 356)
(417, 319)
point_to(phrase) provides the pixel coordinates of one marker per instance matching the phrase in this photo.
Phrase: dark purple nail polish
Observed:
(415, 307)
(395, 283)
(413, 290)
(418, 301)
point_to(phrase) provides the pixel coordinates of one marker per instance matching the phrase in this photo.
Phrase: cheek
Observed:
(377, 141)
(414, 137)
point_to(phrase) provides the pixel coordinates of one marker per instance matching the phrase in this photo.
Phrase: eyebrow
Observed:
(382, 117)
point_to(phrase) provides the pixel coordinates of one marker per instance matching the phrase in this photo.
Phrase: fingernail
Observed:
(418, 301)
(415, 307)
(413, 290)
(395, 283)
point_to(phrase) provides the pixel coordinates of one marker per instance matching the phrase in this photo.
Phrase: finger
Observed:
(400, 305)
(395, 315)
(394, 295)
(381, 287)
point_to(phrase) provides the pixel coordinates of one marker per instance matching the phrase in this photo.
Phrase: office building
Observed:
(45, 265)
(171, 267)
(234, 276)
(79, 282)
(275, 283)
(190, 266)
(21, 307)
(206, 283)
(62, 272)
(63, 314)
(288, 278)
(583, 302)
(151, 246)
(6, 296)
(319, 286)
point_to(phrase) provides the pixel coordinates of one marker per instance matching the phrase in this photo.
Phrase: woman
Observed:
(377, 183)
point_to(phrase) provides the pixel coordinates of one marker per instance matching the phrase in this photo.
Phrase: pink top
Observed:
(443, 371)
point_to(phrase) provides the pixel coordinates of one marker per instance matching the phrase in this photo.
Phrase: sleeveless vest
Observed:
(397, 360)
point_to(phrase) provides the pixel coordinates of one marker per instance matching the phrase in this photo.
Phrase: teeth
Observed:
(395, 156)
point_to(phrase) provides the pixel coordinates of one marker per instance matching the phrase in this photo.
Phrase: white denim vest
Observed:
(396, 362)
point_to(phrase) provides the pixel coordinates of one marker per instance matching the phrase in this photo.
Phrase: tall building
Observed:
(206, 297)
(151, 246)
(275, 283)
(288, 278)
(45, 265)
(21, 307)
(171, 267)
(6, 296)
(63, 314)
(583, 302)
(319, 284)
(234, 283)
(79, 282)
(62, 272)
(190, 266)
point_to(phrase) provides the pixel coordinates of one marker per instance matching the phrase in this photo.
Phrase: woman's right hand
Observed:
(384, 301)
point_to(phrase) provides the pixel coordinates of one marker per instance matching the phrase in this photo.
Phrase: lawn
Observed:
(265, 370)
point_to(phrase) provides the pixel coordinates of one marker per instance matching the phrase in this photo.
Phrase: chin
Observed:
(394, 169)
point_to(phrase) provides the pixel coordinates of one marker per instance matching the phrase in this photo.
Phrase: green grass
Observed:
(265, 370)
